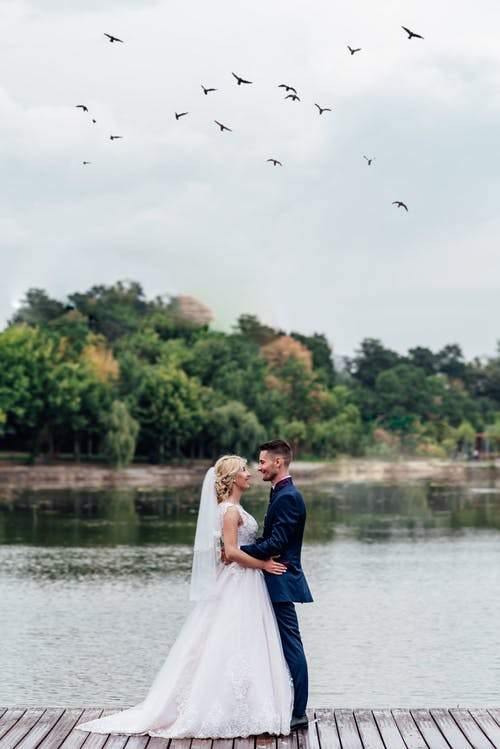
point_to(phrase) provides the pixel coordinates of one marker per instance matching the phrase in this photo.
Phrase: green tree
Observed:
(233, 428)
(450, 361)
(73, 327)
(465, 436)
(168, 407)
(294, 432)
(341, 434)
(322, 355)
(251, 328)
(402, 397)
(43, 387)
(37, 308)
(492, 434)
(423, 358)
(121, 436)
(298, 389)
(112, 311)
(483, 379)
(371, 359)
(229, 364)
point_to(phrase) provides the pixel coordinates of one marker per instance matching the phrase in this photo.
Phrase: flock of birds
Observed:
(290, 93)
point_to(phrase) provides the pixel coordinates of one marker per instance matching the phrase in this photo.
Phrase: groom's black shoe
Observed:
(297, 723)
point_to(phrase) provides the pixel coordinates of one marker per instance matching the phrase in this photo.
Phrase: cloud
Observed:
(183, 208)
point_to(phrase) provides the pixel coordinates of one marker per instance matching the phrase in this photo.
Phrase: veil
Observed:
(206, 554)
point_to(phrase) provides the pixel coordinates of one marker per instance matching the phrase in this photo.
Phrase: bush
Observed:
(430, 449)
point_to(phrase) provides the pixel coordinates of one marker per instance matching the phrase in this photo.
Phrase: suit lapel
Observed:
(274, 495)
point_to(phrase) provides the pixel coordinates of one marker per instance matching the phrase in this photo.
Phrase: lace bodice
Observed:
(247, 531)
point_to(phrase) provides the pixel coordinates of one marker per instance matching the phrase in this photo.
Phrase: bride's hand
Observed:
(273, 567)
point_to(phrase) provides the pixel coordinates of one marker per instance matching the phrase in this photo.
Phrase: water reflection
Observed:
(369, 512)
(405, 580)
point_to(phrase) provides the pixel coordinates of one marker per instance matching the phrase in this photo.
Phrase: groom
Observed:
(282, 537)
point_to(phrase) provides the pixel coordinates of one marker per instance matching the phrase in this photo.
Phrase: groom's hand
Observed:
(223, 557)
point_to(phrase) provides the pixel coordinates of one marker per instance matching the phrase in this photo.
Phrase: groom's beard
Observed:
(270, 477)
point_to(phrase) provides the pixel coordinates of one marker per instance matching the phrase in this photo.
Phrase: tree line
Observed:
(111, 374)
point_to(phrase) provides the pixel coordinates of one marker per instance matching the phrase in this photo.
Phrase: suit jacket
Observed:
(282, 536)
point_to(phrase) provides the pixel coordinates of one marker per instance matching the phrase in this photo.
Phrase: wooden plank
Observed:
(10, 718)
(471, 729)
(22, 727)
(61, 729)
(307, 738)
(248, 743)
(457, 728)
(201, 743)
(495, 713)
(388, 729)
(95, 740)
(429, 729)
(408, 729)
(348, 730)
(42, 727)
(156, 742)
(179, 744)
(223, 744)
(75, 739)
(287, 742)
(488, 724)
(116, 740)
(448, 726)
(327, 729)
(262, 741)
(368, 729)
(140, 741)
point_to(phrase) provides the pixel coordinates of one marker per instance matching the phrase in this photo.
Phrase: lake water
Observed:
(406, 581)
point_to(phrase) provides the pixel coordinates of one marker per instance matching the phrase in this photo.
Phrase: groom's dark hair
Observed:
(278, 447)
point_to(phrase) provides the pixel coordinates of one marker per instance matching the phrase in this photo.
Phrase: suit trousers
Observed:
(294, 653)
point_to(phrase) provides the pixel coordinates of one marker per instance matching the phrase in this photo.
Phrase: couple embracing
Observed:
(238, 666)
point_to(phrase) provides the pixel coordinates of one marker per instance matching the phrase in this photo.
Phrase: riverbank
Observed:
(15, 476)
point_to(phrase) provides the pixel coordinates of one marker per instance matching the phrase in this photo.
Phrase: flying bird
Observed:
(239, 80)
(322, 109)
(411, 34)
(369, 160)
(353, 51)
(223, 127)
(275, 162)
(181, 114)
(207, 90)
(86, 162)
(94, 121)
(82, 107)
(115, 137)
(400, 204)
(287, 87)
(293, 97)
(113, 38)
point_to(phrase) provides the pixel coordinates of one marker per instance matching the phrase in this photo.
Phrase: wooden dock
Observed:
(398, 728)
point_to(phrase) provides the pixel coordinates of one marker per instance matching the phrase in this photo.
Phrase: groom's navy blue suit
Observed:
(282, 536)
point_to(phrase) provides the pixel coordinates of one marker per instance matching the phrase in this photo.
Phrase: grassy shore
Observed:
(16, 475)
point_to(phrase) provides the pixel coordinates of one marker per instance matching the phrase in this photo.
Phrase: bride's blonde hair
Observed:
(226, 470)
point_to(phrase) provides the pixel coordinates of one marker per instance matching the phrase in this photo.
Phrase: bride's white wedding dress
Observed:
(226, 675)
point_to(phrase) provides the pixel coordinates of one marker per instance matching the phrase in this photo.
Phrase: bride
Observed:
(225, 676)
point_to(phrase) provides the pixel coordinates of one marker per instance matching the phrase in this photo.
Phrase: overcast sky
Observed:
(182, 208)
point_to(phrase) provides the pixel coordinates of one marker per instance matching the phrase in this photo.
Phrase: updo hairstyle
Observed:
(226, 470)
